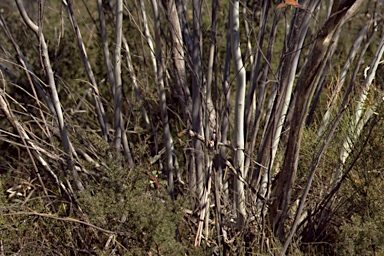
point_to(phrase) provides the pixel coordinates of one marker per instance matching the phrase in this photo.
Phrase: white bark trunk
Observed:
(239, 112)
(118, 90)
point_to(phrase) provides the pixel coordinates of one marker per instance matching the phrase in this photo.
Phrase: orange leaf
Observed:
(289, 2)
(293, 3)
(279, 6)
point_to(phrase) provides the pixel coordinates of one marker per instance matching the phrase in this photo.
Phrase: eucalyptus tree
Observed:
(244, 85)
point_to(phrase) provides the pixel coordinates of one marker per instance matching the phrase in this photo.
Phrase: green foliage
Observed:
(145, 219)
(361, 228)
(362, 235)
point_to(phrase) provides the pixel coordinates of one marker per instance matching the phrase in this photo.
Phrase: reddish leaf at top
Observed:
(289, 2)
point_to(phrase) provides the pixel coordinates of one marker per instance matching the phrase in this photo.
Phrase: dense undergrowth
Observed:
(102, 206)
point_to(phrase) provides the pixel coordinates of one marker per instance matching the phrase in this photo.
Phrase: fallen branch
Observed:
(60, 218)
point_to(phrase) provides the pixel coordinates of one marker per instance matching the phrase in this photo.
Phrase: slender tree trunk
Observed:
(104, 40)
(55, 96)
(185, 31)
(239, 113)
(277, 115)
(51, 80)
(196, 168)
(163, 101)
(330, 132)
(289, 69)
(148, 36)
(210, 115)
(118, 90)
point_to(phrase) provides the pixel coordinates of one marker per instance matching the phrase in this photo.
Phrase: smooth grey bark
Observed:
(196, 173)
(35, 85)
(186, 34)
(148, 36)
(178, 56)
(153, 57)
(288, 71)
(322, 72)
(239, 113)
(260, 176)
(155, 65)
(162, 100)
(125, 144)
(118, 89)
(210, 115)
(31, 76)
(204, 209)
(113, 72)
(51, 80)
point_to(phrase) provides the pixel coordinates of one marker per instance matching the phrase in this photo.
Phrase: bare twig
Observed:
(31, 144)
(61, 219)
